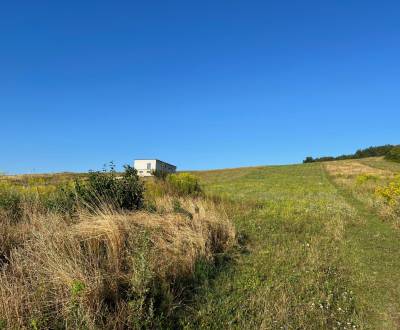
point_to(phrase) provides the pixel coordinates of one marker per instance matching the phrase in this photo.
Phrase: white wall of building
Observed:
(145, 167)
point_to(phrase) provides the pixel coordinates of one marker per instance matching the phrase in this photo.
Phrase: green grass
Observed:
(374, 250)
(315, 256)
(381, 163)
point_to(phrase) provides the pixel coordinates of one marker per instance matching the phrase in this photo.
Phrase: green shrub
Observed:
(62, 200)
(184, 184)
(11, 202)
(391, 192)
(394, 154)
(125, 191)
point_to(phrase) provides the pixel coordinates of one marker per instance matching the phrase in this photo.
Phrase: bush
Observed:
(106, 187)
(308, 160)
(11, 203)
(390, 193)
(63, 200)
(394, 154)
(184, 184)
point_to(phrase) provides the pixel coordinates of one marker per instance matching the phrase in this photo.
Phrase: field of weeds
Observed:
(311, 246)
(104, 266)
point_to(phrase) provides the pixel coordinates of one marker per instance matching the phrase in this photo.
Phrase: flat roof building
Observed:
(146, 167)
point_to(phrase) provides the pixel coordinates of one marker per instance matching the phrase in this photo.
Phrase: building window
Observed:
(149, 166)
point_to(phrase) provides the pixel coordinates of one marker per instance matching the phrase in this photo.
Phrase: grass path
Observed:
(373, 247)
(292, 275)
(316, 257)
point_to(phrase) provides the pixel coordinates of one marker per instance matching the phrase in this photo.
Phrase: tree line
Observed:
(390, 152)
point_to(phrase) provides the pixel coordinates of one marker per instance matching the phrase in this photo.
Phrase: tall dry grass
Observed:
(111, 269)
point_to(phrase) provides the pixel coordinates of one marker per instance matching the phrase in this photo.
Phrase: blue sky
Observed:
(201, 84)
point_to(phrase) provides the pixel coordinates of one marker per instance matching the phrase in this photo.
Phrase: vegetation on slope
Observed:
(373, 245)
(293, 274)
(119, 259)
(318, 248)
(361, 153)
(394, 154)
(373, 182)
(318, 257)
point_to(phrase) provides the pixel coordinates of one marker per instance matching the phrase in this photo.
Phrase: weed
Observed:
(391, 192)
(362, 178)
(184, 184)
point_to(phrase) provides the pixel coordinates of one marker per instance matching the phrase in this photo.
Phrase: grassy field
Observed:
(317, 248)
(318, 255)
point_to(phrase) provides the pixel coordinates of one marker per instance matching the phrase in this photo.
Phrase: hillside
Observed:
(320, 249)
(308, 246)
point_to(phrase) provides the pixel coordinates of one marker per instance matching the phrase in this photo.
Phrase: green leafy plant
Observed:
(123, 191)
(77, 288)
(34, 324)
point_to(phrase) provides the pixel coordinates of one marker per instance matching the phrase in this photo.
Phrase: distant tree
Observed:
(308, 160)
(394, 154)
(326, 159)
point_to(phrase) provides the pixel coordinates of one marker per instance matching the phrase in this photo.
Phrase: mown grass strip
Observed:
(372, 251)
(293, 275)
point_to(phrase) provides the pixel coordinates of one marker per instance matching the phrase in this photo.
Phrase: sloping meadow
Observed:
(373, 181)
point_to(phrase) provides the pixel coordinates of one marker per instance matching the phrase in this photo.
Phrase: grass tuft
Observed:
(111, 268)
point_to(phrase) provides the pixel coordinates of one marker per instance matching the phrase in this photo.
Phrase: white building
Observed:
(146, 167)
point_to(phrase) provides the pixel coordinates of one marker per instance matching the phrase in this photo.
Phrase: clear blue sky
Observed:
(202, 84)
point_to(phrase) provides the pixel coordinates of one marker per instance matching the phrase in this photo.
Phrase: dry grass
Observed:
(111, 269)
(352, 168)
(364, 178)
